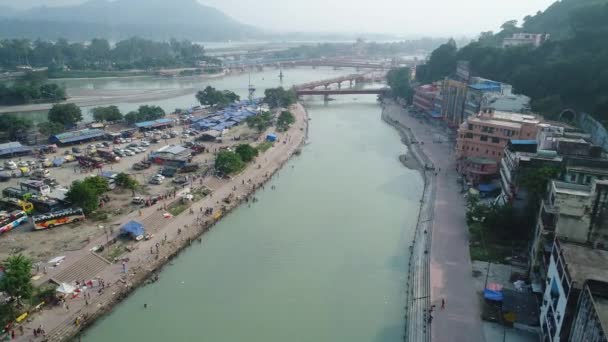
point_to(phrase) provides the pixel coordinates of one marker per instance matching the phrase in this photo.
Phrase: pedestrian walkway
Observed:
(450, 268)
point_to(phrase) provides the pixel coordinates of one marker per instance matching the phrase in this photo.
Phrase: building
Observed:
(424, 98)
(476, 93)
(155, 124)
(12, 149)
(482, 139)
(171, 154)
(507, 102)
(77, 137)
(453, 95)
(590, 322)
(570, 267)
(518, 39)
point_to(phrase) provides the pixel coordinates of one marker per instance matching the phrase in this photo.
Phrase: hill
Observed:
(570, 71)
(153, 19)
(556, 19)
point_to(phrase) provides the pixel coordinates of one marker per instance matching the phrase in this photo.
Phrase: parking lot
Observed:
(132, 156)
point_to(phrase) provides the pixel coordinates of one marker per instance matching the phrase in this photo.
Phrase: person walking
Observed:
(442, 303)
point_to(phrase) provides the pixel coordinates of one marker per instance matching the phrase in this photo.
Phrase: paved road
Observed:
(451, 277)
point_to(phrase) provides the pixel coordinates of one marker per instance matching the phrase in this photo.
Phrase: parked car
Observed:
(155, 181)
(9, 164)
(144, 143)
(138, 200)
(22, 163)
(180, 180)
(76, 149)
(129, 153)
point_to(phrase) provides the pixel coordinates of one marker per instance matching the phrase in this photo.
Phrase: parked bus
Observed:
(35, 187)
(12, 220)
(58, 218)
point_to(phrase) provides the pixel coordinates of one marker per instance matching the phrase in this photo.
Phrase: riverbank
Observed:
(449, 268)
(171, 235)
(418, 279)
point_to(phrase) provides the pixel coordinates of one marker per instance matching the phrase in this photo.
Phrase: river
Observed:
(321, 258)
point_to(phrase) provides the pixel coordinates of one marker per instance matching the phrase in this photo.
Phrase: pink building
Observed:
(482, 139)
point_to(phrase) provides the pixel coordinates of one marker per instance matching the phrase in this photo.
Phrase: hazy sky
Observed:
(402, 17)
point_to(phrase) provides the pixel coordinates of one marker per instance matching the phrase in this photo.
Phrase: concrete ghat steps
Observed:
(84, 269)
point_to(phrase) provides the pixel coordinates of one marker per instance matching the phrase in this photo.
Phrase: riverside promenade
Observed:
(171, 235)
(450, 265)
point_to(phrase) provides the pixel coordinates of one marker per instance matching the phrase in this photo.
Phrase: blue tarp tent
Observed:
(271, 137)
(133, 229)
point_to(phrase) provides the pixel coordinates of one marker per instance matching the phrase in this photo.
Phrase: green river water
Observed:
(321, 258)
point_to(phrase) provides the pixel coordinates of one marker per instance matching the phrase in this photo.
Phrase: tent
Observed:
(133, 229)
(65, 288)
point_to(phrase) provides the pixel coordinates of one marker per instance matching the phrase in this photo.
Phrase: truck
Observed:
(108, 155)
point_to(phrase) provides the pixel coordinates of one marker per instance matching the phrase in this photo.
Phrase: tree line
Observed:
(31, 88)
(566, 73)
(99, 54)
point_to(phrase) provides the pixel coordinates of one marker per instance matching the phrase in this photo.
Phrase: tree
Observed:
(150, 112)
(50, 128)
(14, 126)
(228, 162)
(125, 181)
(85, 194)
(213, 97)
(97, 183)
(132, 117)
(110, 113)
(441, 63)
(285, 120)
(510, 25)
(536, 180)
(52, 92)
(246, 152)
(399, 81)
(260, 122)
(17, 279)
(66, 114)
(279, 97)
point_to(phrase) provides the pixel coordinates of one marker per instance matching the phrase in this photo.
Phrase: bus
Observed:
(58, 218)
(12, 220)
(35, 187)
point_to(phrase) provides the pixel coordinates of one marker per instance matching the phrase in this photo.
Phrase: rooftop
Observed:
(585, 263)
(599, 292)
(571, 189)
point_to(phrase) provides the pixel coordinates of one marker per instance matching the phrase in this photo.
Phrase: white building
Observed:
(518, 39)
(569, 267)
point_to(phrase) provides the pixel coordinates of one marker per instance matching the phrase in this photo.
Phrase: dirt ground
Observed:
(46, 244)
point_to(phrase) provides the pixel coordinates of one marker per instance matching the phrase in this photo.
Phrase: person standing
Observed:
(442, 303)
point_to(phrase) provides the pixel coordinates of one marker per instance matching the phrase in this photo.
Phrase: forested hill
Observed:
(120, 19)
(556, 19)
(569, 71)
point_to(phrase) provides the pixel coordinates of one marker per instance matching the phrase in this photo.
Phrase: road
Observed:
(450, 265)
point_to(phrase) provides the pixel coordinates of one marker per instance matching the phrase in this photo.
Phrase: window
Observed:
(487, 151)
(471, 127)
(495, 140)
(587, 179)
(469, 135)
(573, 178)
(493, 153)
(483, 138)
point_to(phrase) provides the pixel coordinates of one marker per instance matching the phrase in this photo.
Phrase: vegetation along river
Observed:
(321, 258)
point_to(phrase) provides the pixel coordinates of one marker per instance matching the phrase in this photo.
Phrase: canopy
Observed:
(65, 288)
(488, 187)
(133, 229)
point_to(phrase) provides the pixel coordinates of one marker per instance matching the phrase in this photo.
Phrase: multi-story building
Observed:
(476, 92)
(424, 97)
(569, 266)
(518, 39)
(482, 139)
(590, 322)
(453, 94)
(573, 212)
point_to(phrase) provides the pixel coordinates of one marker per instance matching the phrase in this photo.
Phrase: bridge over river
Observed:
(310, 87)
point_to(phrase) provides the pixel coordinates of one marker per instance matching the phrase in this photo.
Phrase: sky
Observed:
(398, 17)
